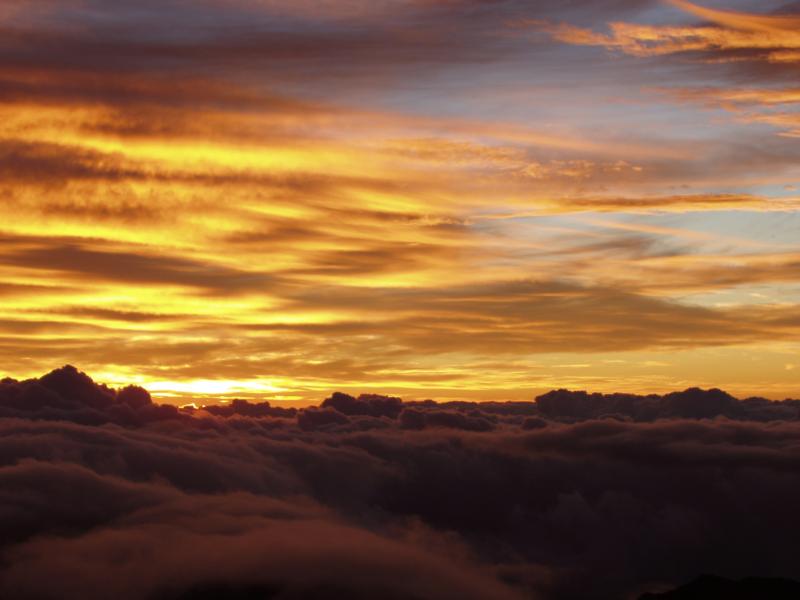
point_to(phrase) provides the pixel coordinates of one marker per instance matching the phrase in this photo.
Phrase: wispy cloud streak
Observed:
(295, 196)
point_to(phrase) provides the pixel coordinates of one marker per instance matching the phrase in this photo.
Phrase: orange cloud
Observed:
(252, 223)
(657, 40)
(741, 20)
(752, 105)
(774, 38)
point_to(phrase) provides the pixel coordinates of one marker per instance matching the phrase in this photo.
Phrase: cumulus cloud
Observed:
(574, 495)
(692, 403)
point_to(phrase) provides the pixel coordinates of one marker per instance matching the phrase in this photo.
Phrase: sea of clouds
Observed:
(106, 494)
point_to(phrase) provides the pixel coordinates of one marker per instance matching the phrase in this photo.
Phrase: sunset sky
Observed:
(444, 199)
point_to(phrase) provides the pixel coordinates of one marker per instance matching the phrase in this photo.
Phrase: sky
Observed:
(449, 199)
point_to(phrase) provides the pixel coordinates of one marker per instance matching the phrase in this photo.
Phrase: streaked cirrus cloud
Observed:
(423, 198)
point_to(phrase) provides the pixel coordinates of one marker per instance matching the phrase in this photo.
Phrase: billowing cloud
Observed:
(573, 495)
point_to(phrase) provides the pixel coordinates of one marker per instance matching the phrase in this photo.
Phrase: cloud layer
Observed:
(572, 496)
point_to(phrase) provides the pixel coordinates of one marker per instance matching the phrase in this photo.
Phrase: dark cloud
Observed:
(474, 420)
(28, 162)
(248, 409)
(749, 588)
(287, 52)
(539, 316)
(107, 314)
(105, 493)
(68, 394)
(56, 87)
(238, 542)
(693, 403)
(129, 266)
(50, 60)
(366, 404)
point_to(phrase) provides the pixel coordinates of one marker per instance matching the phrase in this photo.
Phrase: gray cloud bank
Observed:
(104, 493)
